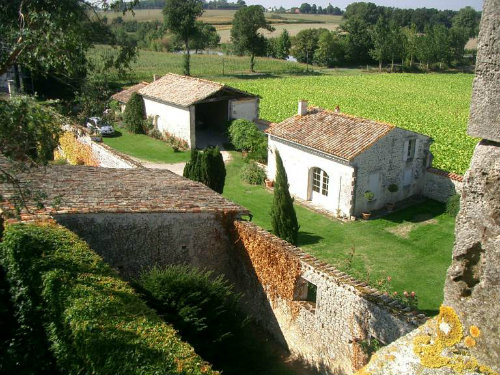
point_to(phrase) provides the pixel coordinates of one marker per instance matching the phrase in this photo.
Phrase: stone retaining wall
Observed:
(325, 333)
(440, 185)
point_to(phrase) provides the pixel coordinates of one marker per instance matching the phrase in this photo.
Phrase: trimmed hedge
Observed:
(93, 321)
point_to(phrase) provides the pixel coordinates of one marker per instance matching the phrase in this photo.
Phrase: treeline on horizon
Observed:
(413, 39)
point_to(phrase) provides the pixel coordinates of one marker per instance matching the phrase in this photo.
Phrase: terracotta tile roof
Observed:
(124, 95)
(183, 90)
(90, 189)
(337, 134)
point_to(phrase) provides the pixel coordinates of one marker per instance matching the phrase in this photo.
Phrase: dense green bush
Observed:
(283, 216)
(245, 135)
(134, 114)
(207, 167)
(202, 307)
(93, 321)
(453, 205)
(252, 174)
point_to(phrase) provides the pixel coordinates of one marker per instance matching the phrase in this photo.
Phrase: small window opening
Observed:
(411, 149)
(306, 291)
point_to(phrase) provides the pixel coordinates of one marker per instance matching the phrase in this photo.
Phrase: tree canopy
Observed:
(180, 19)
(244, 33)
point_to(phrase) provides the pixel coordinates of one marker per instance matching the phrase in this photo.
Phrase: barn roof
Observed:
(124, 95)
(185, 91)
(81, 189)
(341, 135)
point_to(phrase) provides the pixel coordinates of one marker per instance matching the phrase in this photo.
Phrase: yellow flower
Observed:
(469, 342)
(474, 331)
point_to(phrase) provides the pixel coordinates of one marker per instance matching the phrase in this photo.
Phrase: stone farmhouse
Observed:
(332, 159)
(192, 108)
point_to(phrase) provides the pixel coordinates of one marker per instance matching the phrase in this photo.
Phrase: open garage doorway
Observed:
(211, 123)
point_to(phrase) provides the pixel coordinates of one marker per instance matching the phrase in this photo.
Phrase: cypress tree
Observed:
(207, 167)
(134, 114)
(213, 169)
(283, 217)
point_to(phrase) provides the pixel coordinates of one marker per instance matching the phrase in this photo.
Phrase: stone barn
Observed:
(196, 110)
(333, 159)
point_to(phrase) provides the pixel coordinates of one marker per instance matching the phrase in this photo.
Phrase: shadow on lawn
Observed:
(116, 134)
(306, 238)
(417, 213)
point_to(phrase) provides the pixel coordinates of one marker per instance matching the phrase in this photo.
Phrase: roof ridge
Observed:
(348, 115)
(195, 79)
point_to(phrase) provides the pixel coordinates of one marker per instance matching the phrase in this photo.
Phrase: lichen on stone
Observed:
(474, 331)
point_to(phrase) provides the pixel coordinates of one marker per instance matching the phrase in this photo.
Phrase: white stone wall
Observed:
(386, 158)
(177, 121)
(247, 109)
(441, 187)
(298, 164)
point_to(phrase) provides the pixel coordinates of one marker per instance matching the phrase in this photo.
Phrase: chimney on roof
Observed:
(155, 77)
(337, 109)
(302, 107)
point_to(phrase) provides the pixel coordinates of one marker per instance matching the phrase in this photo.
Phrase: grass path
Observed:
(413, 246)
(144, 147)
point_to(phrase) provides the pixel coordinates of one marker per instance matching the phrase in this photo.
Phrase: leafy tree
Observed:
(134, 114)
(244, 33)
(93, 96)
(305, 44)
(410, 43)
(283, 46)
(396, 40)
(180, 18)
(305, 8)
(467, 19)
(53, 36)
(245, 135)
(283, 217)
(331, 49)
(204, 37)
(380, 35)
(359, 41)
(207, 167)
(458, 38)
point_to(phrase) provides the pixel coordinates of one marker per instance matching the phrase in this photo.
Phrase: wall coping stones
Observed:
(450, 175)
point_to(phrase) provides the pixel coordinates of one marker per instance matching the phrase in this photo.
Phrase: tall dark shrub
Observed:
(283, 217)
(202, 307)
(134, 114)
(213, 169)
(207, 167)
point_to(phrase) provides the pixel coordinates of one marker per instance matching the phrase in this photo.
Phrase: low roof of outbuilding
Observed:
(124, 95)
(185, 91)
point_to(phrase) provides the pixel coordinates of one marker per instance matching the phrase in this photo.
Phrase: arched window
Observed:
(320, 181)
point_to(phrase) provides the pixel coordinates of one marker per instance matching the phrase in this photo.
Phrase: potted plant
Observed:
(369, 196)
(393, 188)
(269, 183)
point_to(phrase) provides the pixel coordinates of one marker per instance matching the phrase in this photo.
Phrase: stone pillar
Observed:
(472, 285)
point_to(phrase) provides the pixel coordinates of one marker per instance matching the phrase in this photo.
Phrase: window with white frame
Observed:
(320, 181)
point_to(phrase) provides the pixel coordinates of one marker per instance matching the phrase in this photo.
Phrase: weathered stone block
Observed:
(473, 281)
(485, 105)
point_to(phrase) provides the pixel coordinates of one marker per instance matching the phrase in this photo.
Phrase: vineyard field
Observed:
(433, 104)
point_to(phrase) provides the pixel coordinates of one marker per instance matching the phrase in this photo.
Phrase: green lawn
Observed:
(416, 254)
(144, 147)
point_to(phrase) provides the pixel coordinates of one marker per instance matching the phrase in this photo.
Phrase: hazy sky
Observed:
(439, 4)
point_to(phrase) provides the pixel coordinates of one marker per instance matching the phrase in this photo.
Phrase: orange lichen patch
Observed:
(437, 349)
(469, 342)
(474, 331)
(363, 371)
(449, 327)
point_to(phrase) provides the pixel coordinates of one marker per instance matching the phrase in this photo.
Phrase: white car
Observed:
(96, 123)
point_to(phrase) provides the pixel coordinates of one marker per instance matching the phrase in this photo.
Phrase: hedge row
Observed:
(93, 321)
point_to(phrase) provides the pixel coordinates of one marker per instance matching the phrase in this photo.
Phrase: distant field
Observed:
(293, 29)
(222, 20)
